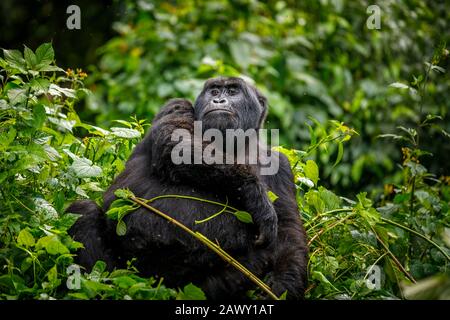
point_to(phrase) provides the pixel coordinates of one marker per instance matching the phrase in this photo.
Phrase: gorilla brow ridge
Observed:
(225, 82)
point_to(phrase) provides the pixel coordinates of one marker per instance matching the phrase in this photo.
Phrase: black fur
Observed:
(274, 246)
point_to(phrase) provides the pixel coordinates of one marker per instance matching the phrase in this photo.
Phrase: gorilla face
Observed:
(230, 103)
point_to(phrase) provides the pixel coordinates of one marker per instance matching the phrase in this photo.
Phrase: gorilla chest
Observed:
(199, 210)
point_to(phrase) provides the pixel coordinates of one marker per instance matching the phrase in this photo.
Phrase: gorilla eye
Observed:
(215, 92)
(233, 91)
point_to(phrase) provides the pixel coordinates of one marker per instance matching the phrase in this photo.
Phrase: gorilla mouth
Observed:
(217, 110)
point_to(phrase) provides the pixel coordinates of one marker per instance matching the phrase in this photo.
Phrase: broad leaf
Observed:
(125, 133)
(25, 239)
(243, 216)
(30, 57)
(272, 196)
(399, 85)
(14, 57)
(191, 292)
(84, 168)
(121, 228)
(312, 171)
(45, 54)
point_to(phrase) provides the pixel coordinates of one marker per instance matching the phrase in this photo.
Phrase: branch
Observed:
(214, 247)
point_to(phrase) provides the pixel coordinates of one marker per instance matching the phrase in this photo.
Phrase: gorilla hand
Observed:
(257, 202)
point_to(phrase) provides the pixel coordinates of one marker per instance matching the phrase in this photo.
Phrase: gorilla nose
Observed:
(220, 102)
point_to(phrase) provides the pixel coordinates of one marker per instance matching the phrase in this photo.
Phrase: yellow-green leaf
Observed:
(272, 196)
(121, 228)
(312, 171)
(243, 216)
(25, 239)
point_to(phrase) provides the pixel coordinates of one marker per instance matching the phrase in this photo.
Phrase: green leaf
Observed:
(52, 245)
(121, 228)
(17, 96)
(312, 171)
(391, 135)
(8, 138)
(44, 67)
(120, 208)
(93, 129)
(399, 85)
(25, 239)
(313, 199)
(123, 193)
(45, 54)
(56, 247)
(243, 216)
(84, 168)
(124, 282)
(340, 154)
(39, 116)
(97, 287)
(283, 295)
(40, 85)
(52, 276)
(58, 91)
(125, 133)
(312, 135)
(319, 276)
(14, 57)
(402, 197)
(30, 57)
(363, 200)
(241, 53)
(97, 270)
(330, 200)
(78, 296)
(125, 123)
(306, 182)
(191, 292)
(272, 196)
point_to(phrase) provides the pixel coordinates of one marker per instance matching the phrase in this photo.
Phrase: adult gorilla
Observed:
(274, 246)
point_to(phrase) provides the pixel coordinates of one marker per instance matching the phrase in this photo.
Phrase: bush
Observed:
(310, 59)
(49, 158)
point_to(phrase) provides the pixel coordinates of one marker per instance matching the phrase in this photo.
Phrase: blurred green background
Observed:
(311, 58)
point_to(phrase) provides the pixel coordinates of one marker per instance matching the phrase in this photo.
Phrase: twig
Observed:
(334, 224)
(178, 196)
(394, 258)
(419, 235)
(214, 247)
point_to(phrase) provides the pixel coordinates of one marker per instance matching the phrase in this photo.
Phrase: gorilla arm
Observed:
(234, 179)
(291, 256)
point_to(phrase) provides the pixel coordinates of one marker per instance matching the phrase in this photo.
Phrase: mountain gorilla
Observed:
(273, 246)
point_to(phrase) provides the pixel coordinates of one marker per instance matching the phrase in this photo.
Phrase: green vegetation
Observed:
(363, 117)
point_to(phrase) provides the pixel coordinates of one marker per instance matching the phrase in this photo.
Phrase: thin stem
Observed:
(191, 198)
(394, 258)
(318, 234)
(419, 235)
(214, 247)
(413, 190)
(22, 204)
(422, 94)
(320, 215)
(214, 215)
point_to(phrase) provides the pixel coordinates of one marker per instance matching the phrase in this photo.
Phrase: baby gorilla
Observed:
(273, 247)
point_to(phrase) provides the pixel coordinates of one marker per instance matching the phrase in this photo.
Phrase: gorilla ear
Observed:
(264, 106)
(262, 101)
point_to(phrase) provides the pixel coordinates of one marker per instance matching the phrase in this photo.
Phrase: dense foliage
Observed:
(311, 58)
(363, 116)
